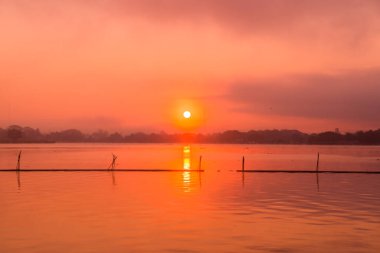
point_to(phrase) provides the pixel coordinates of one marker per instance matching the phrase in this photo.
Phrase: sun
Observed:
(186, 114)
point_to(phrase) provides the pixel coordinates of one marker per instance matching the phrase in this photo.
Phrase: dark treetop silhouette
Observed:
(18, 134)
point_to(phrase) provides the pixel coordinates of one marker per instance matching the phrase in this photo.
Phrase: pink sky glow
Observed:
(242, 64)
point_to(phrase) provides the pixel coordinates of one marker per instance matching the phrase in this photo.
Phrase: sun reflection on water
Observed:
(186, 176)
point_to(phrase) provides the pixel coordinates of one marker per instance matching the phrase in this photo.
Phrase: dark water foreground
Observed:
(218, 210)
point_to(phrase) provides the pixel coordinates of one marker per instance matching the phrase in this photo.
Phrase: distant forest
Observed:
(18, 134)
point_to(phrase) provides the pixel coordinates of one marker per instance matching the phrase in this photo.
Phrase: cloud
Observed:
(348, 24)
(352, 96)
(352, 18)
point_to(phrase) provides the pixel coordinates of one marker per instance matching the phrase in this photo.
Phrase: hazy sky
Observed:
(236, 64)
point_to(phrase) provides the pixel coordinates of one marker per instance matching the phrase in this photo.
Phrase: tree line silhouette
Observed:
(18, 134)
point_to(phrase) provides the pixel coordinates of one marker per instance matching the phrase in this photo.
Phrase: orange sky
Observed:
(242, 64)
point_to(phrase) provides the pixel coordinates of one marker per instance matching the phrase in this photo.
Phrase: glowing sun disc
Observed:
(187, 114)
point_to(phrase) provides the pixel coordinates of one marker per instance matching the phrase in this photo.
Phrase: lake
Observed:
(218, 210)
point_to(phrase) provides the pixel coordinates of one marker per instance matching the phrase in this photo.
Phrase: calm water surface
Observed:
(218, 210)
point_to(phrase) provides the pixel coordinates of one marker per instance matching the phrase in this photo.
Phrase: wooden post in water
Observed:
(317, 162)
(113, 163)
(18, 166)
(199, 171)
(242, 170)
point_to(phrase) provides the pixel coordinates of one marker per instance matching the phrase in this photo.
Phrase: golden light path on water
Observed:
(186, 176)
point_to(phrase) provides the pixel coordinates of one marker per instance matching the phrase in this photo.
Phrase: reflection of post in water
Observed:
(18, 179)
(113, 177)
(317, 174)
(243, 178)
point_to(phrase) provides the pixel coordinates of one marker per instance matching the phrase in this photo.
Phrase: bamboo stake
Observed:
(317, 162)
(199, 171)
(18, 166)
